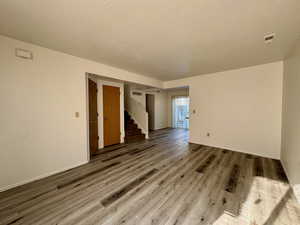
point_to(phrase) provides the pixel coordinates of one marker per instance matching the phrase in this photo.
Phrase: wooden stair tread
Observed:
(132, 132)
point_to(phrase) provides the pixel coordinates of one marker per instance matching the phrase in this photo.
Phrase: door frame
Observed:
(100, 83)
(87, 77)
(172, 106)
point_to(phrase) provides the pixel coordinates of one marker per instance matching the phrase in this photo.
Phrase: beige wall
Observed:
(139, 98)
(290, 153)
(39, 133)
(172, 93)
(161, 110)
(160, 104)
(241, 109)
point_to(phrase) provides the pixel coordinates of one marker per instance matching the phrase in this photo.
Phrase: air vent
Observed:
(24, 54)
(269, 38)
(136, 93)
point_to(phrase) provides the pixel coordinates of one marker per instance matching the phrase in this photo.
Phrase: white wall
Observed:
(161, 109)
(39, 134)
(171, 94)
(290, 153)
(160, 104)
(135, 106)
(139, 98)
(241, 109)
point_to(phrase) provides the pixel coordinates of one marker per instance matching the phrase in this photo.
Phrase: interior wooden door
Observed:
(93, 117)
(111, 114)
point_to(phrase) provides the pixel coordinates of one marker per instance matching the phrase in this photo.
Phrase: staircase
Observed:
(132, 132)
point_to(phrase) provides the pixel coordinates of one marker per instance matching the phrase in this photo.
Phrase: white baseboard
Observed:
(162, 127)
(5, 188)
(234, 150)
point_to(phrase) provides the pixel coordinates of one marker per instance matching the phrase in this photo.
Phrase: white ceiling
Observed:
(165, 39)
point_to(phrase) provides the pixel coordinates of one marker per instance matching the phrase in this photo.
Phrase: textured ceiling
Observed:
(165, 39)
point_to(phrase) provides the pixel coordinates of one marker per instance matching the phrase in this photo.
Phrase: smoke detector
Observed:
(269, 38)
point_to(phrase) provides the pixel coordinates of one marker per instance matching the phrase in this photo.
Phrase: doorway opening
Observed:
(150, 108)
(180, 112)
(105, 114)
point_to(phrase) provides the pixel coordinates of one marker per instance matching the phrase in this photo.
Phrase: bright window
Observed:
(180, 115)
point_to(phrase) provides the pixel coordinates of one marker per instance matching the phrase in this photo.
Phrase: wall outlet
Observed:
(207, 134)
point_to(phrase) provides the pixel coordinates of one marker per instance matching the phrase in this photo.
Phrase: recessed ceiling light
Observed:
(269, 38)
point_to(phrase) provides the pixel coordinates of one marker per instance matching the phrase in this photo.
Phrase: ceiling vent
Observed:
(24, 54)
(269, 38)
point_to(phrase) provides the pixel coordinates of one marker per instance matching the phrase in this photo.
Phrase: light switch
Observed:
(77, 114)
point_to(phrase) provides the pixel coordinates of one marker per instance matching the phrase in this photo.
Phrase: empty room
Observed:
(150, 112)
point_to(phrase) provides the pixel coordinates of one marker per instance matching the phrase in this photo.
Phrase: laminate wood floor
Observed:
(163, 180)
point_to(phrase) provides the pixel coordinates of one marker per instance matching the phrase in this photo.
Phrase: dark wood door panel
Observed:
(93, 117)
